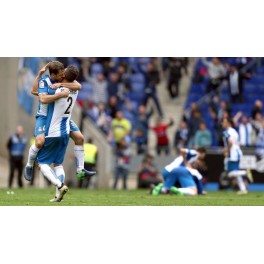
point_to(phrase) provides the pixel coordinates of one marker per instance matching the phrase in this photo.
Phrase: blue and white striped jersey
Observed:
(43, 88)
(235, 152)
(192, 156)
(59, 114)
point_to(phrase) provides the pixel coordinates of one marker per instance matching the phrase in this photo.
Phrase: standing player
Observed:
(57, 136)
(233, 154)
(181, 171)
(41, 87)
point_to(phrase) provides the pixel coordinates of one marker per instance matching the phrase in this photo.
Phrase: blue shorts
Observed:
(53, 150)
(40, 127)
(178, 175)
(232, 165)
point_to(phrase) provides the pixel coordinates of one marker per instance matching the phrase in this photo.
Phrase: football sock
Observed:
(187, 191)
(79, 157)
(59, 171)
(48, 172)
(33, 152)
(241, 183)
(238, 174)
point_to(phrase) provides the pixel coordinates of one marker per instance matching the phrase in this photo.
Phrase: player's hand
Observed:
(65, 93)
(42, 70)
(55, 85)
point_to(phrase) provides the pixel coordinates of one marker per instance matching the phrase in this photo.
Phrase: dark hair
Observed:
(55, 67)
(229, 120)
(201, 150)
(71, 73)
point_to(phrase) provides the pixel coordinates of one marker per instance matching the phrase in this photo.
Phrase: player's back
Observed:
(43, 88)
(191, 156)
(59, 113)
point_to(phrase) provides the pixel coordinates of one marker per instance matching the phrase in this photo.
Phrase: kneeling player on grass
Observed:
(179, 175)
(187, 159)
(42, 88)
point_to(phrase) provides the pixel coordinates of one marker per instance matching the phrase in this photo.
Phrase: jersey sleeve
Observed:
(43, 87)
(191, 153)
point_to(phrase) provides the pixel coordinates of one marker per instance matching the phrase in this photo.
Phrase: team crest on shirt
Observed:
(39, 129)
(41, 84)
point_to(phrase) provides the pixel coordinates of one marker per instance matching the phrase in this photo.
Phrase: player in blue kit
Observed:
(182, 171)
(57, 134)
(46, 96)
(233, 155)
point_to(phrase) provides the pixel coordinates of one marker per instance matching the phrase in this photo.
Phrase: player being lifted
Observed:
(57, 134)
(41, 87)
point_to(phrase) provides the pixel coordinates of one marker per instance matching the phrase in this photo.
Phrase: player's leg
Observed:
(20, 173)
(60, 173)
(78, 139)
(169, 180)
(34, 149)
(11, 172)
(188, 186)
(53, 152)
(117, 173)
(233, 171)
(125, 175)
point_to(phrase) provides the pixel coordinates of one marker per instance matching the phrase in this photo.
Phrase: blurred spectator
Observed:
(141, 141)
(16, 146)
(129, 109)
(120, 128)
(257, 122)
(152, 78)
(148, 173)
(181, 137)
(99, 87)
(90, 161)
(142, 121)
(112, 106)
(100, 117)
(246, 132)
(122, 154)
(218, 113)
(190, 114)
(113, 86)
(216, 73)
(257, 108)
(162, 138)
(175, 66)
(203, 136)
(235, 83)
(193, 126)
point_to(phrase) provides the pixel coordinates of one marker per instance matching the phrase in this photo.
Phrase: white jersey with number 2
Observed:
(59, 114)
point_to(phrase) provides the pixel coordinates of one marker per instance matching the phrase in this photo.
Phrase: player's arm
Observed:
(184, 155)
(75, 86)
(34, 88)
(50, 98)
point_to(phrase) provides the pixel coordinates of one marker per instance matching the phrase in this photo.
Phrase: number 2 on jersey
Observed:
(67, 110)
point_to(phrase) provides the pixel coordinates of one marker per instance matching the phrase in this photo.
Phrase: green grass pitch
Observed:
(84, 197)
